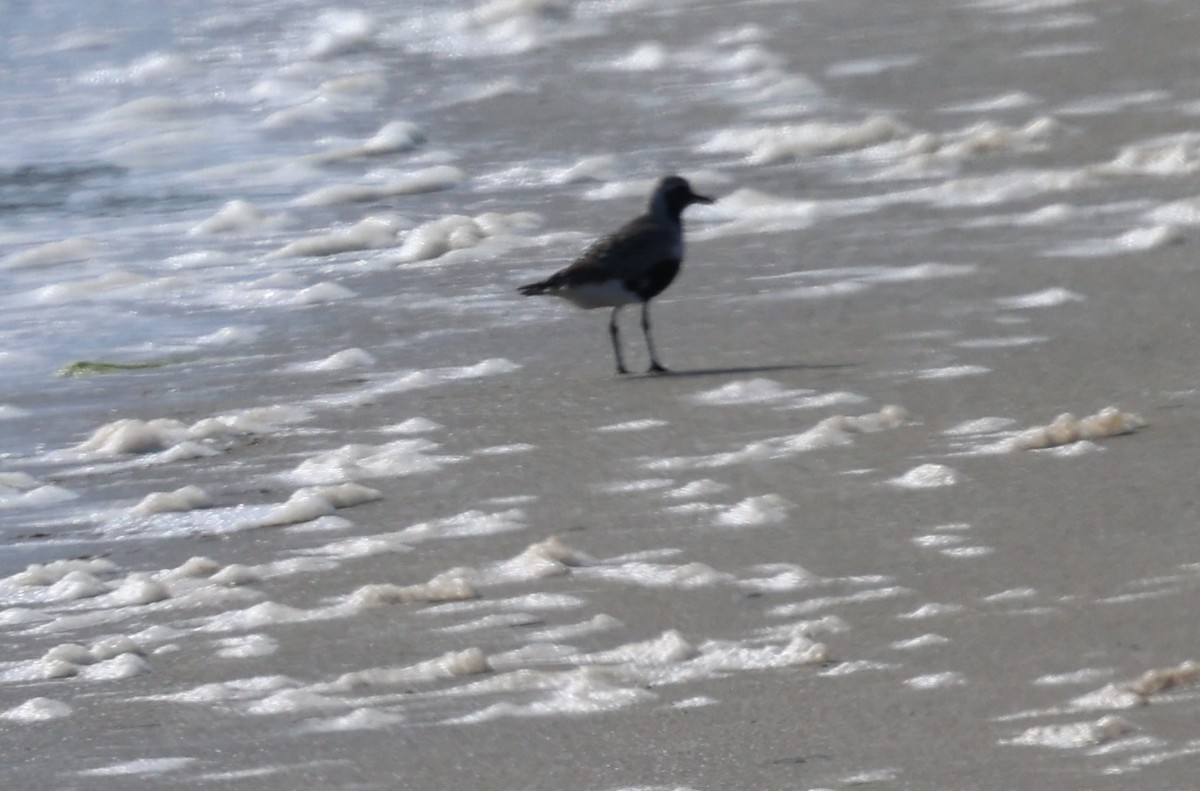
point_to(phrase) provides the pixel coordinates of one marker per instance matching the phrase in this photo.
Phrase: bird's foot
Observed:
(622, 370)
(657, 368)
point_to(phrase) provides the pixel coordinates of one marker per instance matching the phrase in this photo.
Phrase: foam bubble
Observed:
(936, 680)
(458, 232)
(953, 372)
(349, 462)
(443, 588)
(453, 664)
(632, 426)
(367, 234)
(346, 359)
(434, 179)
(926, 476)
(771, 144)
(236, 216)
(311, 503)
(361, 719)
(831, 432)
(60, 252)
(142, 766)
(185, 498)
(393, 137)
(38, 710)
(1074, 735)
(46, 574)
(767, 509)
(1066, 429)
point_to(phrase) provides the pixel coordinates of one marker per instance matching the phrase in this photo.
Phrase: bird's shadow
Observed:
(741, 370)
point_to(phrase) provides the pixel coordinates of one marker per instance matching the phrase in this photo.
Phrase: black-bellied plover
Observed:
(632, 265)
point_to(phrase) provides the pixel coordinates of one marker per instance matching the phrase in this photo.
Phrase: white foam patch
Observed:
(386, 185)
(967, 552)
(38, 496)
(936, 681)
(467, 524)
(594, 168)
(347, 359)
(768, 391)
(47, 574)
(772, 144)
(1012, 594)
(953, 372)
(749, 211)
(418, 380)
(1048, 298)
(647, 56)
(833, 431)
(869, 67)
(363, 719)
(931, 610)
(1180, 212)
(659, 575)
(38, 710)
(237, 216)
(751, 391)
(135, 436)
(311, 503)
(436, 238)
(353, 462)
(1138, 240)
(701, 488)
(601, 622)
(1174, 155)
(814, 605)
(934, 540)
(926, 476)
(229, 336)
(367, 234)
(1067, 429)
(1087, 675)
(142, 766)
(185, 498)
(246, 647)
(922, 641)
(1139, 691)
(1010, 100)
(644, 485)
(394, 137)
(781, 578)
(983, 425)
(414, 425)
(767, 509)
(506, 450)
(60, 252)
(453, 664)
(1074, 735)
(631, 426)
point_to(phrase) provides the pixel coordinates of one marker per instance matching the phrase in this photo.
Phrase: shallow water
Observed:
(344, 506)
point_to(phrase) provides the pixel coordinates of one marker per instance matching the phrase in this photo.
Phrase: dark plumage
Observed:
(634, 264)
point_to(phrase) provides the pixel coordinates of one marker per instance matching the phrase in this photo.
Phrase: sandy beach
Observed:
(435, 542)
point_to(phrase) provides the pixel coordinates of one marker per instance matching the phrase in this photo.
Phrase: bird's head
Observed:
(673, 194)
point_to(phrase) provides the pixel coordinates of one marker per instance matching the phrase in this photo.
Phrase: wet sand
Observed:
(967, 595)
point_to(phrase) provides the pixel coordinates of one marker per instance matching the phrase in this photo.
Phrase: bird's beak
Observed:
(702, 199)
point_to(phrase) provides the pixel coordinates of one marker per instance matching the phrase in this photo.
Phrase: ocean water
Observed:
(291, 473)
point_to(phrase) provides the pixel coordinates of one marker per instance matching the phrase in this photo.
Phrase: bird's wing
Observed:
(638, 245)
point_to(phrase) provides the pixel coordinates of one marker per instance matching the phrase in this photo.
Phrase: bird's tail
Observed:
(533, 289)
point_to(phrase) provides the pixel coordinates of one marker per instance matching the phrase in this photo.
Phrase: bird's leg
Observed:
(615, 334)
(655, 365)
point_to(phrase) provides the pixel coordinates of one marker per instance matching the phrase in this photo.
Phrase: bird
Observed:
(634, 264)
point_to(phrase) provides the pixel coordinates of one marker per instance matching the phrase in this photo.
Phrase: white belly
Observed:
(608, 294)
